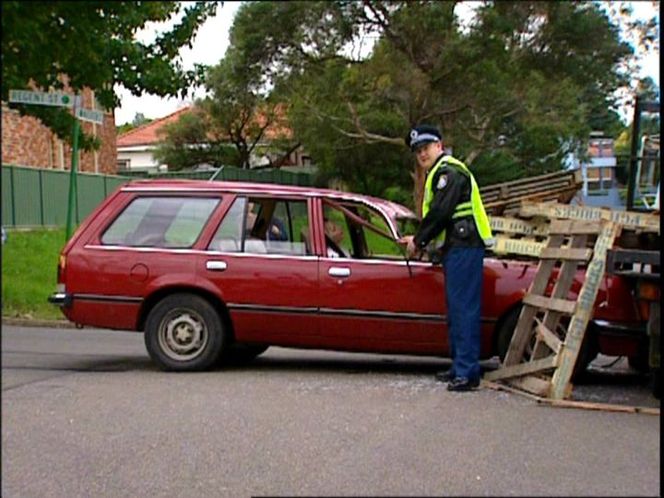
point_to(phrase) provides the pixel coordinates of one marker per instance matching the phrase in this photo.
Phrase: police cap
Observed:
(423, 134)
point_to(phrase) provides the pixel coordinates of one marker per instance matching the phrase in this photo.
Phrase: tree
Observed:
(237, 112)
(92, 45)
(187, 143)
(518, 87)
(139, 120)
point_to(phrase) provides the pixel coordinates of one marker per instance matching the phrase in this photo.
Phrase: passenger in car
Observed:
(334, 234)
(277, 230)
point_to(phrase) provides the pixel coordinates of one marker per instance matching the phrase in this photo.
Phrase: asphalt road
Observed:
(85, 413)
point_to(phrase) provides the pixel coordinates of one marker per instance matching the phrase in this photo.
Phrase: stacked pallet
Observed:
(576, 238)
(505, 198)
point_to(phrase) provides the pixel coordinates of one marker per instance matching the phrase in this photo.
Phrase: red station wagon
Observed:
(219, 271)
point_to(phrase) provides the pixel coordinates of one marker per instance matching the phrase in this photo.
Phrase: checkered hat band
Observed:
(424, 137)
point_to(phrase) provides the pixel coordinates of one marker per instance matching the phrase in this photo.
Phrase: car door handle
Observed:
(338, 272)
(216, 265)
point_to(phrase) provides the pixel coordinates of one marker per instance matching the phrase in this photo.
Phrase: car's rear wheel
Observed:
(183, 332)
(506, 330)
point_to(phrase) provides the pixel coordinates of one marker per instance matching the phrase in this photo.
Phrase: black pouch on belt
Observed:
(462, 228)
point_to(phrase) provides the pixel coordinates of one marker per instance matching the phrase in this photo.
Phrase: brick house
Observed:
(27, 142)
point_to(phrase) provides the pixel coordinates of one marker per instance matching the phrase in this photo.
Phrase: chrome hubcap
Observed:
(183, 335)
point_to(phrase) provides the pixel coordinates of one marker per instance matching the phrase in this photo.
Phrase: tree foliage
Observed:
(188, 142)
(238, 111)
(93, 44)
(513, 91)
(139, 120)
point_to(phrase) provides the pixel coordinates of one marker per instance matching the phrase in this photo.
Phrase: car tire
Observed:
(241, 354)
(184, 332)
(505, 332)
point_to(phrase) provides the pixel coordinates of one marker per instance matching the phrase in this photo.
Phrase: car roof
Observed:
(392, 209)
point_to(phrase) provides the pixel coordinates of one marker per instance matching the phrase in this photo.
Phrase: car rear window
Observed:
(172, 222)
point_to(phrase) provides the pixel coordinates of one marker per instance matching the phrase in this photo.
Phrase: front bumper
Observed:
(606, 327)
(61, 299)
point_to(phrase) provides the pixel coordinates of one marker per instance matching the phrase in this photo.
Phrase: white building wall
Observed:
(139, 159)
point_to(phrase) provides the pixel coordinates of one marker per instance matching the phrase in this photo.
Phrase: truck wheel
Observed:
(587, 353)
(656, 383)
(184, 332)
(639, 361)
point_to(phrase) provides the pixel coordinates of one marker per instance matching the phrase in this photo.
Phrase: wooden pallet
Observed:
(506, 198)
(555, 347)
(514, 236)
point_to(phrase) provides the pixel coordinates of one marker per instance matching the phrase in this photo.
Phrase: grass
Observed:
(29, 273)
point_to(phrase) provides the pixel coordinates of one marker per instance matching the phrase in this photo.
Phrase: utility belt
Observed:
(461, 232)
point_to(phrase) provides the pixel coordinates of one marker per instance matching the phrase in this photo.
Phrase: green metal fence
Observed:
(39, 197)
(34, 197)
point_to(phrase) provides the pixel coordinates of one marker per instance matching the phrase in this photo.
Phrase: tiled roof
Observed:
(147, 134)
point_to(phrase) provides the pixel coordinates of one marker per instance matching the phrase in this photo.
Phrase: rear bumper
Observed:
(61, 299)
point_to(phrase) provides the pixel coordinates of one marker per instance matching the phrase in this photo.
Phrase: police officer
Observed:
(455, 223)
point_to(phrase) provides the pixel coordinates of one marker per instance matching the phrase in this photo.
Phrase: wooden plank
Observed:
(503, 387)
(629, 219)
(549, 338)
(536, 197)
(565, 253)
(586, 405)
(517, 226)
(532, 384)
(506, 245)
(584, 310)
(563, 403)
(550, 303)
(523, 368)
(575, 227)
(567, 177)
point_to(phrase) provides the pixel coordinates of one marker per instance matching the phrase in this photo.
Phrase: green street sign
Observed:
(90, 115)
(57, 99)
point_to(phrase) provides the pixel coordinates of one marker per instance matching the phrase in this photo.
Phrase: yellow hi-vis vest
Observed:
(474, 206)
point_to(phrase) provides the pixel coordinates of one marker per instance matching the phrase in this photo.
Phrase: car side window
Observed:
(359, 231)
(228, 237)
(377, 245)
(170, 222)
(338, 243)
(262, 225)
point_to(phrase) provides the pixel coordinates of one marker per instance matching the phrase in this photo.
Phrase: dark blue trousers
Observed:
(463, 287)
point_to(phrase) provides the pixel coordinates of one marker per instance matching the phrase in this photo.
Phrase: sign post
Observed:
(72, 178)
(59, 99)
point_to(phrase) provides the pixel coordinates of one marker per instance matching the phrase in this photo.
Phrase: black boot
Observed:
(461, 384)
(445, 376)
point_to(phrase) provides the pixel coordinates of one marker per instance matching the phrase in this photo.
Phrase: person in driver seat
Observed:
(334, 234)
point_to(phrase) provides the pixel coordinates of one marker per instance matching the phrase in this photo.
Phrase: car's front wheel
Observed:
(183, 332)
